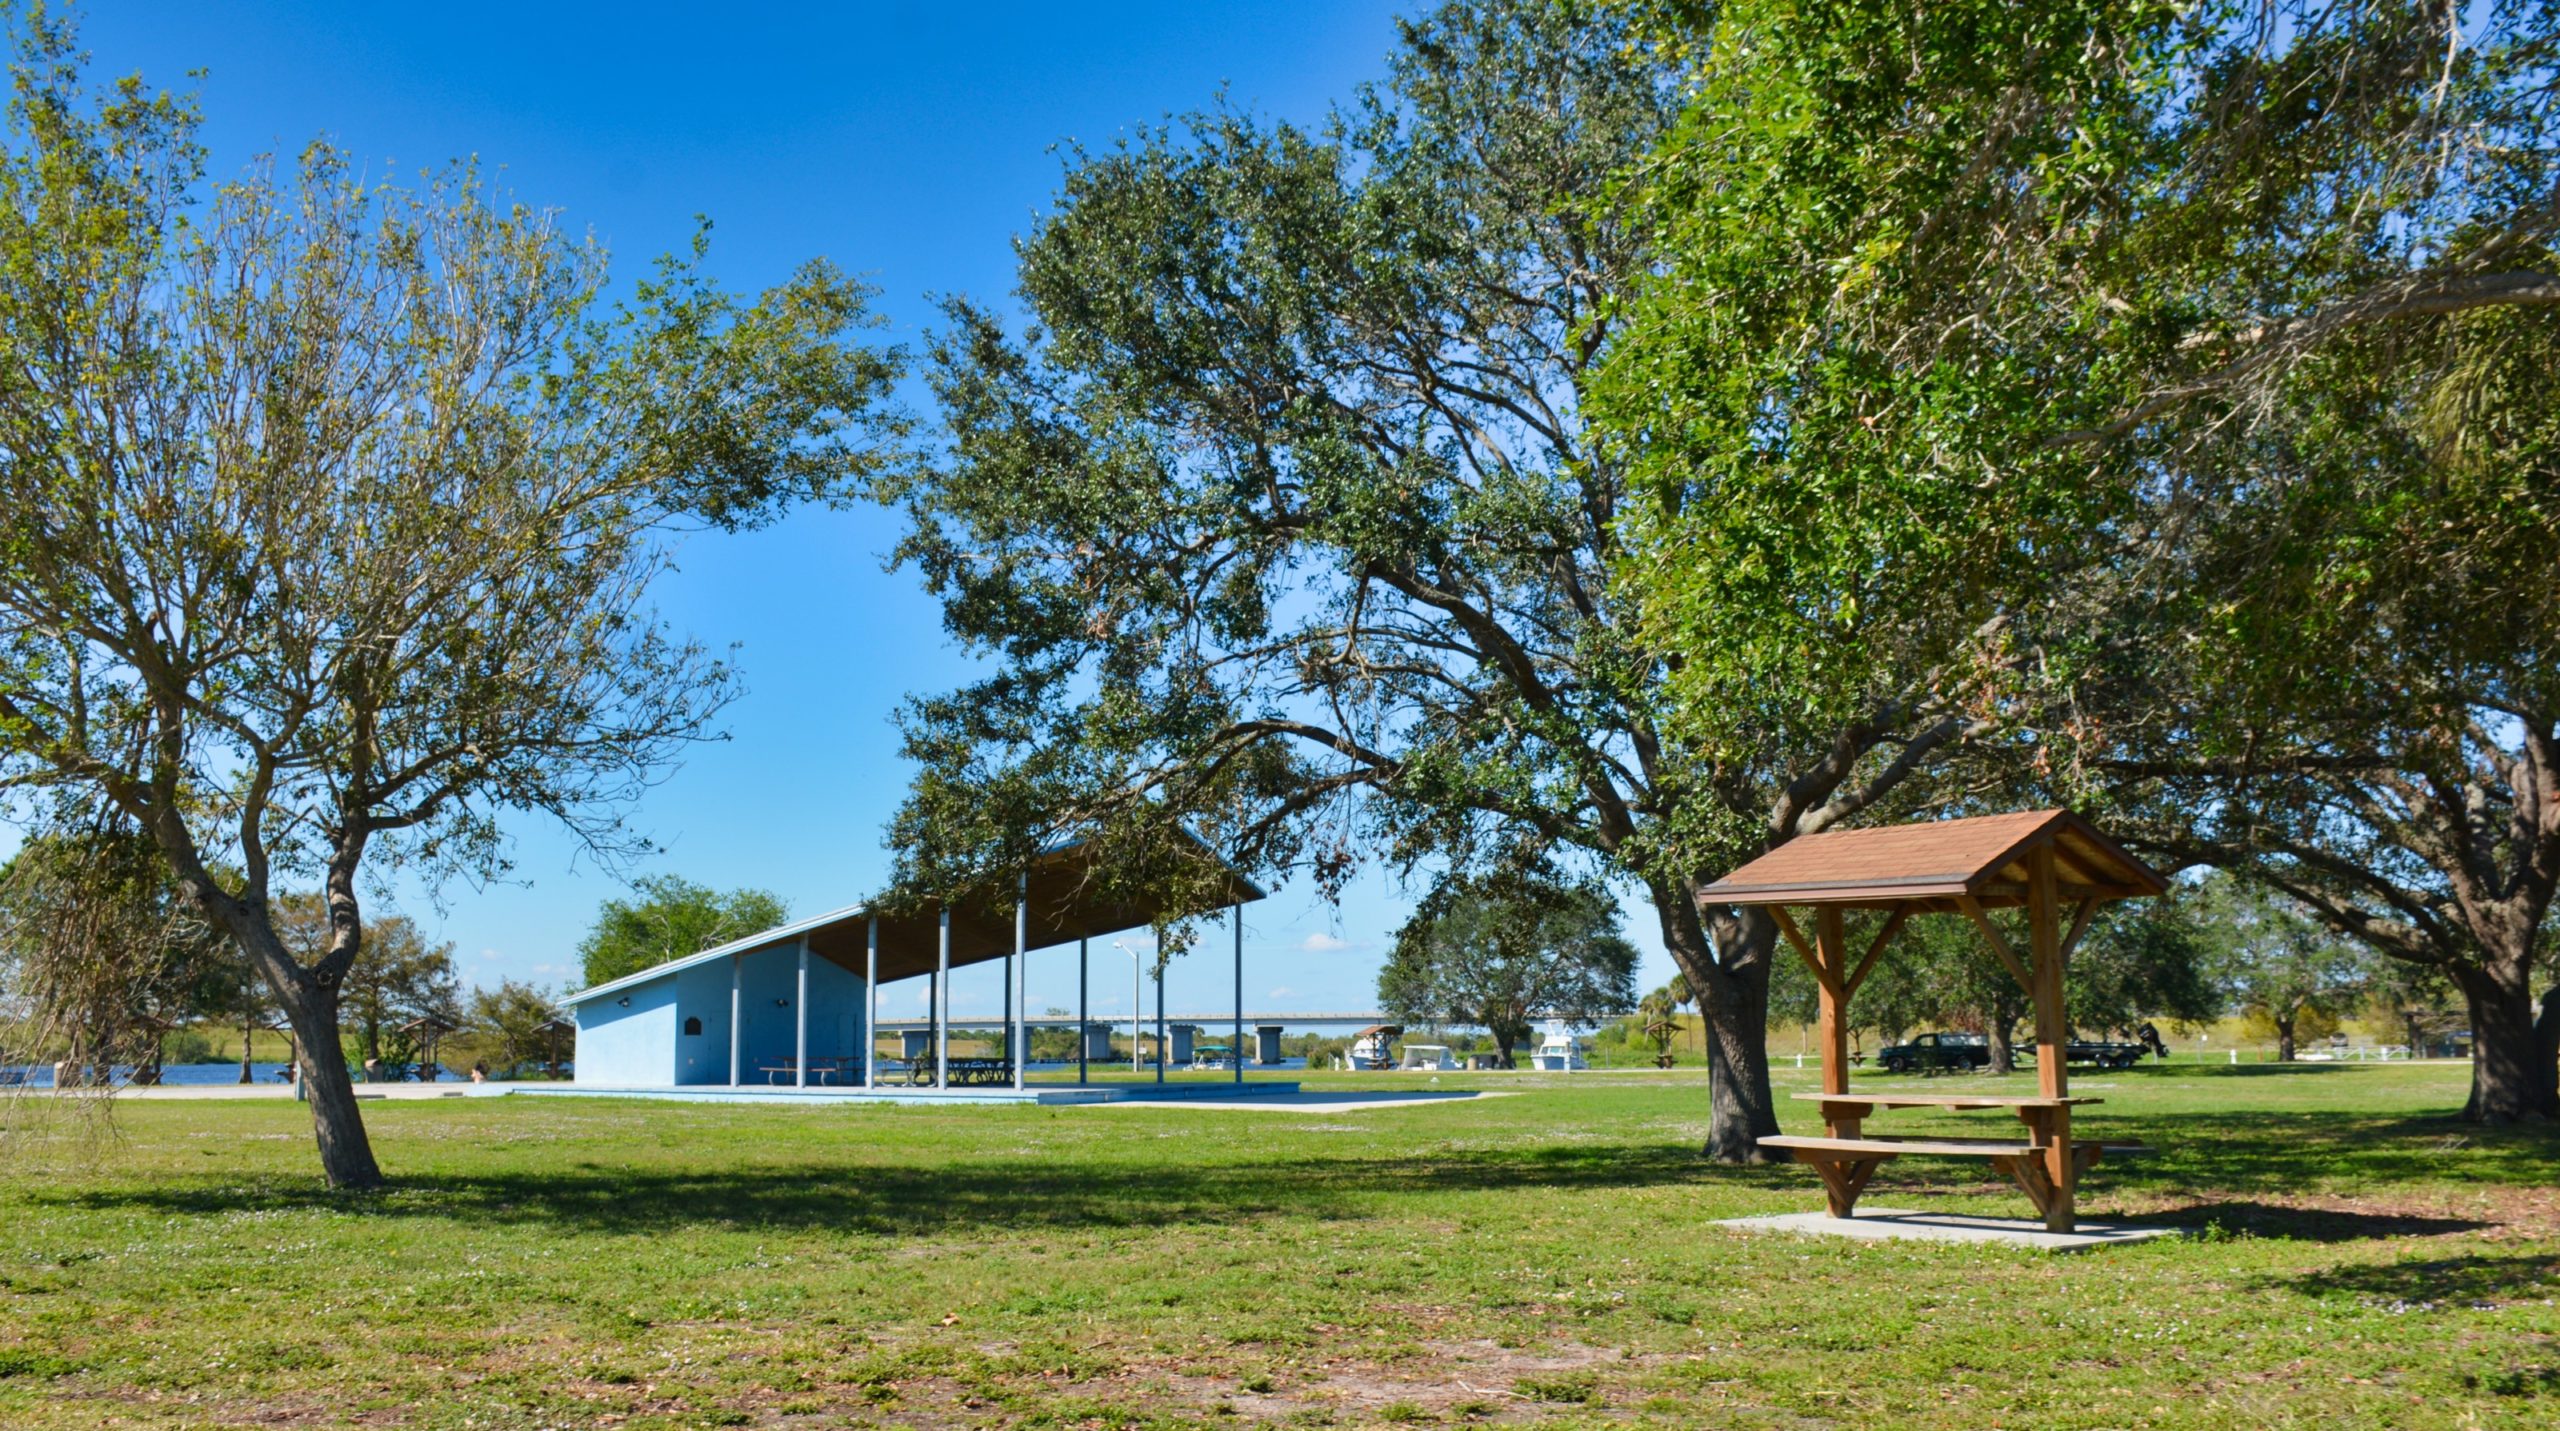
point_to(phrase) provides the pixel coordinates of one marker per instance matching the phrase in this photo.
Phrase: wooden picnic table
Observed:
(1848, 1155)
(1963, 1101)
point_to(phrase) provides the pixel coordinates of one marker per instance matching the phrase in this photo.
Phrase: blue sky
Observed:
(907, 142)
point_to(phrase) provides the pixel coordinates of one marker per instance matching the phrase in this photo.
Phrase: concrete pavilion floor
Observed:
(1255, 1096)
(1251, 1092)
(1042, 1094)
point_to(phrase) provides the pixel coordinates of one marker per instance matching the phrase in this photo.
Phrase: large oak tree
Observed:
(1282, 519)
(333, 507)
(2059, 365)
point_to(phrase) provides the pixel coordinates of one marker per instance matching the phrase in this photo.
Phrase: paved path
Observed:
(1325, 1101)
(185, 1092)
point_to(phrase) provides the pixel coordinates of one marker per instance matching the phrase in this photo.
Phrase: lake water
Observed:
(196, 1074)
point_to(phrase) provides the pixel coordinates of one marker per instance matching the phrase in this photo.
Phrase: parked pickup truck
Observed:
(1931, 1052)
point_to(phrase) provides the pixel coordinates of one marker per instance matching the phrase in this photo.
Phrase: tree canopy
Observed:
(1503, 949)
(669, 918)
(2124, 405)
(335, 503)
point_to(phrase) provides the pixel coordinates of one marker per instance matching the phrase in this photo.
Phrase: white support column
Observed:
(942, 1006)
(800, 1058)
(871, 994)
(1018, 979)
(1237, 1047)
(736, 1010)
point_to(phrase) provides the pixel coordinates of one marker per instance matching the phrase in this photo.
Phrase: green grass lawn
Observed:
(1550, 1258)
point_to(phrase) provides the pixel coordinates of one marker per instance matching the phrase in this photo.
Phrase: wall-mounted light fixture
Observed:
(624, 1001)
(782, 1003)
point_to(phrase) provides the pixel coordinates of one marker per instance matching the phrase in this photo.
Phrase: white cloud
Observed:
(1282, 992)
(1323, 943)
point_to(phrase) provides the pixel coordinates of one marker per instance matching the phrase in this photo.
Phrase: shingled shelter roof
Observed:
(1932, 862)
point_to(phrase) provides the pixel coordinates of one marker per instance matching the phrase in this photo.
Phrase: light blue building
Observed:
(669, 1027)
(795, 1006)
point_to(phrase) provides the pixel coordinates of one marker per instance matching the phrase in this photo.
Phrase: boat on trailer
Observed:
(1373, 1048)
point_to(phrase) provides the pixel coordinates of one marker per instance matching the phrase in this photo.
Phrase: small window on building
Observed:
(693, 1027)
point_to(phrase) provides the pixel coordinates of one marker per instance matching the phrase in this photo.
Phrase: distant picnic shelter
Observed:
(2043, 861)
(799, 1005)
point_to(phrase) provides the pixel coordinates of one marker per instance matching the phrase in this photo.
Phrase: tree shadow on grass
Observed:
(2228, 1166)
(2309, 1224)
(927, 1199)
(2421, 1285)
(2286, 1152)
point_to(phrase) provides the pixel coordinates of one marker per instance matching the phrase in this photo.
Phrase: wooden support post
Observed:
(1842, 1180)
(1830, 963)
(1163, 1049)
(2053, 1035)
(871, 1014)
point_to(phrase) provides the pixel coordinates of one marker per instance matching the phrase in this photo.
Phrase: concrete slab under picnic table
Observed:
(1878, 1224)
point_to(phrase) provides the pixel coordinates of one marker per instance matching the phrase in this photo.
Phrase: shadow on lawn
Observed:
(2310, 1224)
(2272, 1152)
(924, 1199)
(2461, 1280)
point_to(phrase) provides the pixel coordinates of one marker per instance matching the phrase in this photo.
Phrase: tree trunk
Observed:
(1733, 1003)
(309, 998)
(346, 1153)
(2513, 1075)
(2004, 1052)
(2284, 1040)
(248, 1031)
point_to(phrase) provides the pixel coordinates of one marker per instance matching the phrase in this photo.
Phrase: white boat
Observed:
(1373, 1048)
(1425, 1058)
(1559, 1052)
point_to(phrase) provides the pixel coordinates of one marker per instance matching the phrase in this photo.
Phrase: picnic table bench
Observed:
(2046, 1159)
(822, 1070)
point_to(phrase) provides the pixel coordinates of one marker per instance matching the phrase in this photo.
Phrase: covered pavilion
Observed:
(2037, 860)
(797, 1006)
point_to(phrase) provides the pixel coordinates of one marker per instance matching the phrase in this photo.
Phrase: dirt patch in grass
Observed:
(1475, 1380)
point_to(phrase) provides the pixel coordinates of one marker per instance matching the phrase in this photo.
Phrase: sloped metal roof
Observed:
(1062, 907)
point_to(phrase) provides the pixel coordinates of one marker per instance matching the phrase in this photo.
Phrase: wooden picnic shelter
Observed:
(2042, 861)
(425, 1032)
